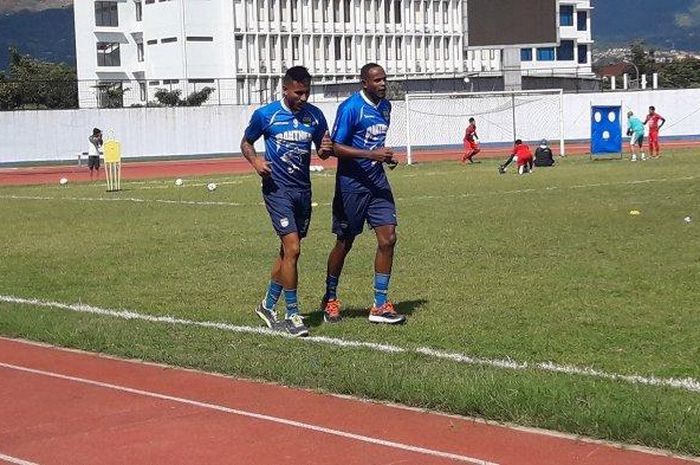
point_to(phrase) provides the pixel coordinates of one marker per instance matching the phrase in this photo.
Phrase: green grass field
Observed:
(528, 269)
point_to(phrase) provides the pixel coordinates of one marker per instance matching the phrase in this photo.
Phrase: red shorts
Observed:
(522, 161)
(470, 145)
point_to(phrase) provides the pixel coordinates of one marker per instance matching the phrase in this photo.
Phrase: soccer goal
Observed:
(439, 120)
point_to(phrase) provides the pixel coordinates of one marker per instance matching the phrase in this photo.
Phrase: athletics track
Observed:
(69, 407)
(132, 170)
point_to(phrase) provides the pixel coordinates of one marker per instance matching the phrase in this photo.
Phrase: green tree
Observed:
(643, 57)
(171, 98)
(35, 84)
(682, 73)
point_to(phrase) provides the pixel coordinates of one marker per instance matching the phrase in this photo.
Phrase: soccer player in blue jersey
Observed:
(288, 126)
(362, 192)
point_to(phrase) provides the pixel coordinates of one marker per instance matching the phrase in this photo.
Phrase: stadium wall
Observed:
(45, 136)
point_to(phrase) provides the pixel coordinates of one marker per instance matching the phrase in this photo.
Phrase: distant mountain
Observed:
(667, 24)
(48, 34)
(32, 5)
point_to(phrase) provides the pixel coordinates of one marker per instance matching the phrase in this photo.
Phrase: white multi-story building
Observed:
(242, 47)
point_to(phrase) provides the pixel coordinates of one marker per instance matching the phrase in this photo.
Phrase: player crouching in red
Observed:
(523, 157)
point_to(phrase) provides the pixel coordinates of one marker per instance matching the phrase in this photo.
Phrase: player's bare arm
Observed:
(325, 150)
(261, 166)
(382, 154)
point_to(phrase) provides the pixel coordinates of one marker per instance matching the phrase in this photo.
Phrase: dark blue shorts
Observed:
(290, 211)
(352, 209)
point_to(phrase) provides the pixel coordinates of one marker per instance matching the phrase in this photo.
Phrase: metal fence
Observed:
(253, 89)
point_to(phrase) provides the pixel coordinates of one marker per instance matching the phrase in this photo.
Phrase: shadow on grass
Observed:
(406, 307)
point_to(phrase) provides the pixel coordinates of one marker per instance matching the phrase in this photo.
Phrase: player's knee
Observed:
(292, 250)
(387, 241)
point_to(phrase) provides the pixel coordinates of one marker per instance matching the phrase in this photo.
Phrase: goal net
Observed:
(439, 120)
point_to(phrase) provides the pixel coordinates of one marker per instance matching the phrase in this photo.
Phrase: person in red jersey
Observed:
(471, 142)
(655, 122)
(522, 156)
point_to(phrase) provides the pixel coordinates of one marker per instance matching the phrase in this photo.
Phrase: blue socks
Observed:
(274, 290)
(381, 288)
(290, 297)
(331, 287)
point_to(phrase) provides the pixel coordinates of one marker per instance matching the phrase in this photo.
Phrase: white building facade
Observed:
(127, 49)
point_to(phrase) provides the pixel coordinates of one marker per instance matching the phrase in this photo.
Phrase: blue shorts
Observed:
(290, 211)
(352, 209)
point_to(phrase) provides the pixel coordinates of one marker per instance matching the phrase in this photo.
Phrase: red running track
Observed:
(68, 407)
(231, 165)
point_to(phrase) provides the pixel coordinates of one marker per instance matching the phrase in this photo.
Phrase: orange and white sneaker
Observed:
(386, 314)
(331, 311)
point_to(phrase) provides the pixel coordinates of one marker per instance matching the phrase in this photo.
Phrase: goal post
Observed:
(439, 120)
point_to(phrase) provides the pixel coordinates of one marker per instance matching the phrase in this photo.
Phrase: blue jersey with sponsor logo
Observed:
(288, 137)
(361, 124)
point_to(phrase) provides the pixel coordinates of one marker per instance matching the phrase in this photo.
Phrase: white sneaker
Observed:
(644, 157)
(634, 158)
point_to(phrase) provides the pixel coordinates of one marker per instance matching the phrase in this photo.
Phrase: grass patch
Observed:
(548, 267)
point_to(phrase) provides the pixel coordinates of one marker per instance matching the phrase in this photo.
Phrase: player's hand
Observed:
(326, 149)
(262, 167)
(383, 155)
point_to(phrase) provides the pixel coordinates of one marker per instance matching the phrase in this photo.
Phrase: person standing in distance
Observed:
(362, 192)
(288, 126)
(635, 130)
(656, 122)
(94, 152)
(471, 142)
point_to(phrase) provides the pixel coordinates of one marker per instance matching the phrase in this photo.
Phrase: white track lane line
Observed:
(684, 384)
(257, 416)
(15, 460)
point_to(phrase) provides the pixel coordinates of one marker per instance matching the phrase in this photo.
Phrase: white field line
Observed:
(327, 204)
(254, 415)
(685, 384)
(15, 460)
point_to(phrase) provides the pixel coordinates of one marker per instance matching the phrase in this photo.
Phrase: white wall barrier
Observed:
(29, 136)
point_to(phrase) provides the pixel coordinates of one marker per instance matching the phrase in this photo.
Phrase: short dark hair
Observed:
(298, 74)
(471, 120)
(518, 141)
(95, 131)
(364, 72)
(652, 108)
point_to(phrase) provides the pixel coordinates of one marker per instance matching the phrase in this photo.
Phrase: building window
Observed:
(582, 20)
(525, 54)
(336, 11)
(566, 15)
(545, 54)
(139, 11)
(583, 54)
(348, 9)
(295, 10)
(446, 12)
(110, 95)
(565, 51)
(399, 45)
(397, 11)
(348, 48)
(142, 91)
(168, 40)
(295, 48)
(200, 39)
(139, 52)
(106, 14)
(108, 54)
(337, 48)
(387, 11)
(148, 2)
(152, 42)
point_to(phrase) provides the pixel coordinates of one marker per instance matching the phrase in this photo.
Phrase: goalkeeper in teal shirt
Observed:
(635, 129)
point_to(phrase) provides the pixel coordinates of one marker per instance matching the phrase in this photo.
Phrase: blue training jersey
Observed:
(288, 137)
(362, 125)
